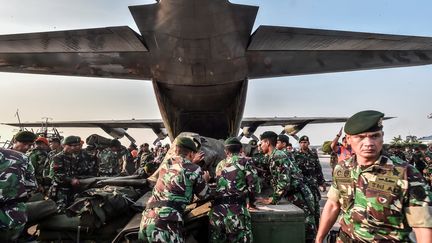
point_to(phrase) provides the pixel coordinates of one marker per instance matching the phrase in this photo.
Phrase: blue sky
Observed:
(402, 92)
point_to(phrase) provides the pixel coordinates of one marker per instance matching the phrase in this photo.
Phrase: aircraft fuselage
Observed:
(198, 62)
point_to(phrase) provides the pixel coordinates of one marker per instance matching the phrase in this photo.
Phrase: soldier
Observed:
(282, 143)
(16, 180)
(22, 141)
(236, 179)
(178, 181)
(417, 159)
(146, 164)
(381, 198)
(309, 164)
(64, 173)
(86, 161)
(109, 160)
(287, 182)
(344, 150)
(38, 157)
(428, 170)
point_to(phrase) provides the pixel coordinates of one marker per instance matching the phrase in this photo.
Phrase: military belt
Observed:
(229, 200)
(345, 238)
(179, 206)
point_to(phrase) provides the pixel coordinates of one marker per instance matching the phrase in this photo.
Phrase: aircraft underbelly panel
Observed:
(212, 111)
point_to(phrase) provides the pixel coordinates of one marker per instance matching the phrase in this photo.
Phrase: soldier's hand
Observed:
(206, 176)
(323, 187)
(264, 201)
(198, 157)
(75, 182)
(251, 207)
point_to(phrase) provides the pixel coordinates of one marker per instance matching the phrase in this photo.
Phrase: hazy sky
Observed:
(402, 92)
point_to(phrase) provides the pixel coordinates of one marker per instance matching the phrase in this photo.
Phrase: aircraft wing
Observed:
(283, 51)
(116, 52)
(137, 123)
(282, 121)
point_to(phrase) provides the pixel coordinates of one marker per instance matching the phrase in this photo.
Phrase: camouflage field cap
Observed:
(233, 141)
(186, 142)
(268, 134)
(115, 143)
(303, 138)
(72, 140)
(25, 137)
(364, 121)
(283, 138)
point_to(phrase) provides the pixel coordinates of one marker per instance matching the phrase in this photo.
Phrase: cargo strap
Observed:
(179, 206)
(234, 199)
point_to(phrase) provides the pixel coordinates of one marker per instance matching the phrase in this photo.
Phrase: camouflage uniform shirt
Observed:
(178, 181)
(109, 163)
(236, 178)
(16, 180)
(39, 159)
(381, 202)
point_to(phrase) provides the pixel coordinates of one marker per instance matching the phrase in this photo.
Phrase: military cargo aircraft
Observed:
(200, 56)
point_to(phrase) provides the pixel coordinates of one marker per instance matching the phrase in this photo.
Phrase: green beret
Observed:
(253, 143)
(364, 121)
(303, 138)
(71, 140)
(283, 138)
(268, 134)
(115, 143)
(233, 141)
(25, 137)
(186, 142)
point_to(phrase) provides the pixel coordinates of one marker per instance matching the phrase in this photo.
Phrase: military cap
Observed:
(42, 140)
(115, 143)
(364, 121)
(186, 142)
(253, 143)
(232, 141)
(25, 137)
(55, 140)
(72, 140)
(303, 138)
(283, 138)
(268, 134)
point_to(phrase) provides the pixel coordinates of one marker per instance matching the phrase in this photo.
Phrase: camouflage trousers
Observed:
(155, 229)
(13, 218)
(317, 197)
(230, 223)
(304, 199)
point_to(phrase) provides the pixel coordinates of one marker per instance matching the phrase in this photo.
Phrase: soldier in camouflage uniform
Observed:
(381, 198)
(236, 181)
(147, 166)
(309, 164)
(23, 141)
(17, 179)
(110, 160)
(428, 169)
(178, 181)
(64, 173)
(38, 157)
(287, 182)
